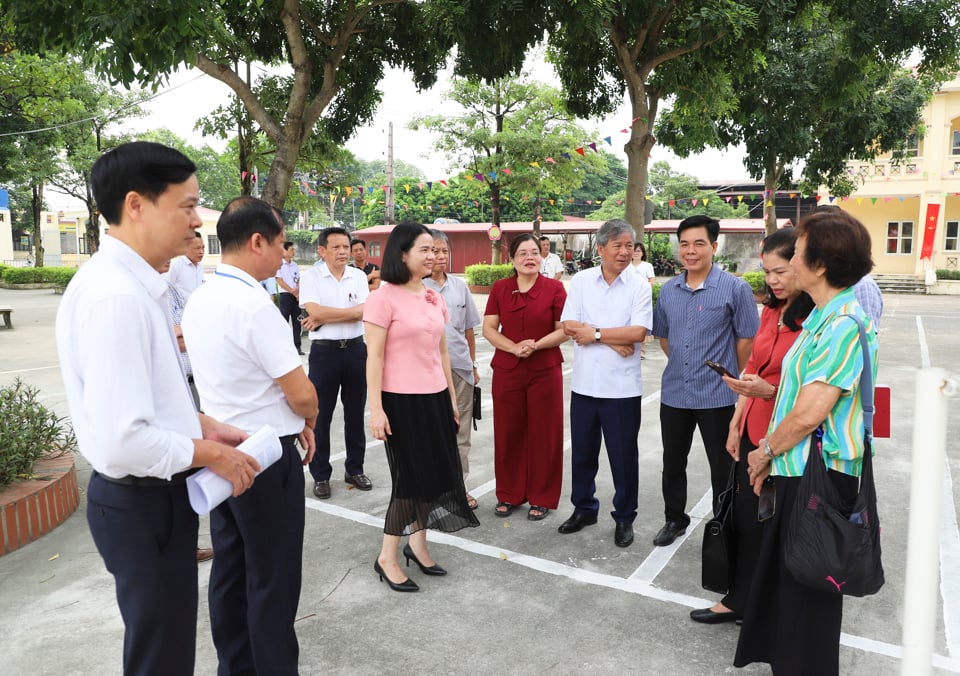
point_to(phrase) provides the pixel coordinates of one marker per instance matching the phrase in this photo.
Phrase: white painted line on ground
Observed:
(650, 399)
(38, 368)
(599, 579)
(949, 538)
(658, 559)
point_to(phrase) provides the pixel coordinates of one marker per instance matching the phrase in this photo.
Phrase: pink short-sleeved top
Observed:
(414, 324)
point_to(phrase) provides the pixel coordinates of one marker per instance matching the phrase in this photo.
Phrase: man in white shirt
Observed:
(186, 272)
(608, 313)
(131, 409)
(248, 373)
(288, 281)
(332, 296)
(551, 265)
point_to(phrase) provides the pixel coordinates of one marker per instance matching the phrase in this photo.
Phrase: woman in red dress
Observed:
(522, 321)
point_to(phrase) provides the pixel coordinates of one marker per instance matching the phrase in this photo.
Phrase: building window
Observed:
(952, 240)
(213, 245)
(374, 249)
(956, 142)
(900, 237)
(913, 146)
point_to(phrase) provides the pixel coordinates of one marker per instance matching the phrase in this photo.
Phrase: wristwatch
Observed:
(476, 365)
(767, 451)
(596, 334)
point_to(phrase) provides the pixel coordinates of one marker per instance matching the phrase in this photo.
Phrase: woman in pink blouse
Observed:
(413, 406)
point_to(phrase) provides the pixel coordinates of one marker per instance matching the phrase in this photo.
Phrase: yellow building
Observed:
(894, 200)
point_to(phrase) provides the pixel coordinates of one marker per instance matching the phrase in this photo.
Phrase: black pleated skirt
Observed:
(793, 628)
(428, 490)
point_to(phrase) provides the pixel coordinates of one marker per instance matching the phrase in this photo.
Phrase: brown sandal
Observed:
(471, 501)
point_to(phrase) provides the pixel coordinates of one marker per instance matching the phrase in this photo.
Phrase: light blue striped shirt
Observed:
(703, 324)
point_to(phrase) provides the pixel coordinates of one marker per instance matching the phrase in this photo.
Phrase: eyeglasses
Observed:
(527, 254)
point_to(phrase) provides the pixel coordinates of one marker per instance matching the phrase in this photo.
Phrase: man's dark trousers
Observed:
(290, 309)
(255, 580)
(619, 422)
(147, 537)
(676, 432)
(335, 370)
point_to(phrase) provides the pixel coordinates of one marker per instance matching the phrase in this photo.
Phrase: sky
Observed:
(191, 95)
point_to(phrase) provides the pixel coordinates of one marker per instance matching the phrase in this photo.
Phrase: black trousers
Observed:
(147, 537)
(290, 309)
(255, 579)
(339, 371)
(676, 432)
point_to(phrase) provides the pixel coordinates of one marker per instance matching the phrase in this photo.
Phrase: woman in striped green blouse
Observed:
(794, 628)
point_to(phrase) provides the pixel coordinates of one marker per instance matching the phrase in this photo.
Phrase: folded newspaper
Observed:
(208, 489)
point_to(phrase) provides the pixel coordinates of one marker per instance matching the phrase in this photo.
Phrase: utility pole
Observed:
(388, 214)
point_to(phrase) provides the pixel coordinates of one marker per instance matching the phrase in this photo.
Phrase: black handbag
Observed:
(826, 549)
(476, 406)
(718, 552)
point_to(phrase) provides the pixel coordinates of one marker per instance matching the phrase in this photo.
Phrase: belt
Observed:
(148, 481)
(290, 438)
(341, 344)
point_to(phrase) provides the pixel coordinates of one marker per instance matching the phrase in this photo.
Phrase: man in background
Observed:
(288, 283)
(551, 265)
(358, 248)
(186, 272)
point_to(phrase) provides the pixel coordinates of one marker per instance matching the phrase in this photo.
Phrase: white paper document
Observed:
(208, 489)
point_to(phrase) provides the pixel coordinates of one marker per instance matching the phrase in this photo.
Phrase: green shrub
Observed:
(757, 281)
(58, 276)
(305, 238)
(656, 293)
(948, 274)
(29, 431)
(485, 275)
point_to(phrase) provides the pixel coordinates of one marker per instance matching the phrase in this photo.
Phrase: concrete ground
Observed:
(520, 598)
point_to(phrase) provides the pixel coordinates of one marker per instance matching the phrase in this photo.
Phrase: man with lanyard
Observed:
(607, 313)
(251, 379)
(462, 317)
(551, 265)
(702, 314)
(186, 272)
(358, 248)
(288, 281)
(131, 409)
(332, 296)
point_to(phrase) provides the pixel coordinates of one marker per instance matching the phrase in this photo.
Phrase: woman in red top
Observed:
(785, 308)
(522, 321)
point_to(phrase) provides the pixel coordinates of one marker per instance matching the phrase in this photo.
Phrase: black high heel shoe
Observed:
(407, 585)
(426, 570)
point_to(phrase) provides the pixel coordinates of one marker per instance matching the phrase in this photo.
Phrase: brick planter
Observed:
(33, 507)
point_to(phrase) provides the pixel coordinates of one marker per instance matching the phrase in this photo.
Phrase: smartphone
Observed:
(718, 368)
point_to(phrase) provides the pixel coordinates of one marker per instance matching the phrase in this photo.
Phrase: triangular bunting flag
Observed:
(580, 150)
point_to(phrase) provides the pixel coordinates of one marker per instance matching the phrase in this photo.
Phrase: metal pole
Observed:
(923, 542)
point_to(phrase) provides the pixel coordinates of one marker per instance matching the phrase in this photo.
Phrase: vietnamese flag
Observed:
(929, 230)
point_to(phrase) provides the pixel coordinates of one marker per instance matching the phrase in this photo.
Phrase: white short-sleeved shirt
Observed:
(599, 371)
(290, 274)
(551, 265)
(239, 346)
(318, 285)
(185, 275)
(644, 270)
(129, 402)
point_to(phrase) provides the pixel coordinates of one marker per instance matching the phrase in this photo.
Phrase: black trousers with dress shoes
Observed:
(339, 371)
(618, 421)
(676, 432)
(255, 579)
(147, 536)
(290, 309)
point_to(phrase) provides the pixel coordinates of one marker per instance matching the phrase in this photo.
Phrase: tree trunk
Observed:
(496, 246)
(643, 104)
(93, 223)
(36, 204)
(771, 179)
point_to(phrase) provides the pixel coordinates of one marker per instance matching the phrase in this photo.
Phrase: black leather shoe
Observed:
(623, 535)
(577, 522)
(321, 489)
(426, 570)
(407, 585)
(708, 616)
(358, 481)
(671, 531)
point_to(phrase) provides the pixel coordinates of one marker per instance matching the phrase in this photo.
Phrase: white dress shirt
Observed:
(551, 265)
(185, 275)
(598, 370)
(318, 285)
(129, 402)
(239, 345)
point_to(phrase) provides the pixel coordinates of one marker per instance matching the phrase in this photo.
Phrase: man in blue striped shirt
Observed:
(703, 314)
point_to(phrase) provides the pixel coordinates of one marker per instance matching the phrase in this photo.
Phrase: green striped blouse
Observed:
(827, 351)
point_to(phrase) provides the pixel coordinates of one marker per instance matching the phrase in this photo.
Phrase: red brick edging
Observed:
(33, 507)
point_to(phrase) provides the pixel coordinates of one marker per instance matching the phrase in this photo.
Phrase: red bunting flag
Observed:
(444, 183)
(580, 150)
(507, 172)
(672, 203)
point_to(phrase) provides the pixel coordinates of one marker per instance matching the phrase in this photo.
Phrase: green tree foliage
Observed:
(333, 52)
(216, 172)
(512, 132)
(819, 93)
